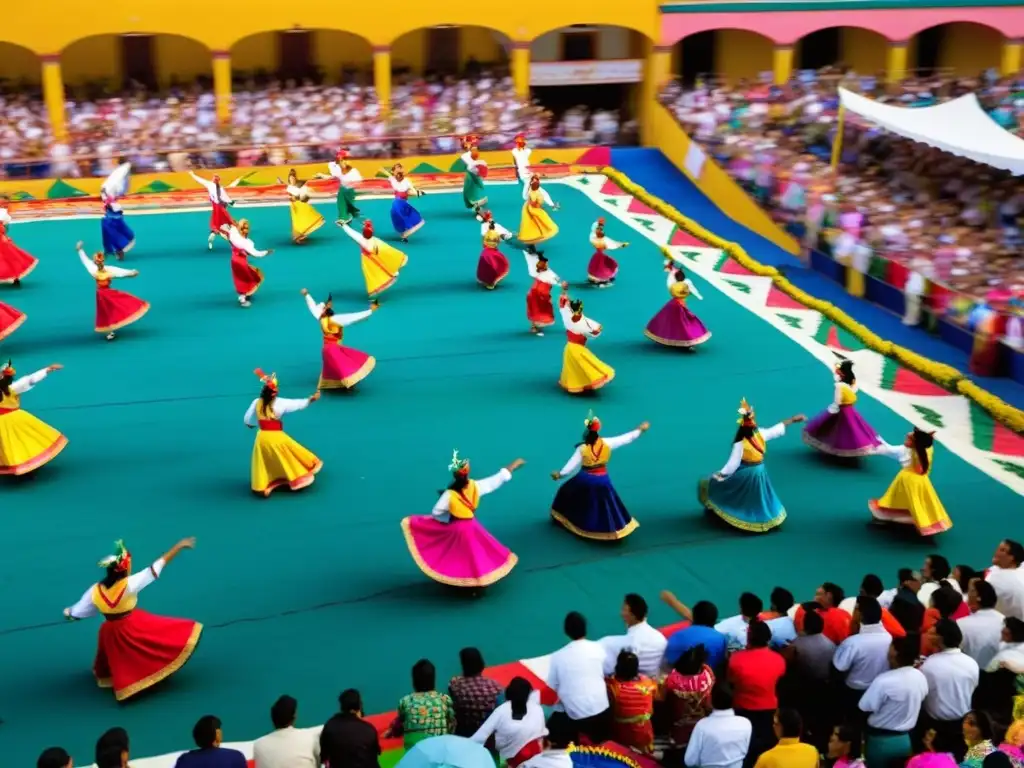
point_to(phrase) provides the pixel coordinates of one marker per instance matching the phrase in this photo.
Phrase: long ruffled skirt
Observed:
(474, 193)
(26, 443)
(460, 553)
(248, 278)
(582, 371)
(117, 309)
(676, 326)
(404, 218)
(745, 500)
(844, 434)
(305, 220)
(278, 461)
(536, 225)
(15, 264)
(540, 310)
(347, 209)
(10, 320)
(117, 235)
(586, 504)
(380, 269)
(343, 367)
(911, 500)
(220, 218)
(602, 268)
(492, 268)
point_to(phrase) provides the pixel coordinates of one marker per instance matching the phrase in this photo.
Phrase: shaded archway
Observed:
(19, 67)
(322, 55)
(962, 48)
(860, 49)
(723, 56)
(450, 49)
(112, 62)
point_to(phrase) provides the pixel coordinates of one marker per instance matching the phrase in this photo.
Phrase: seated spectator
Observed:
(844, 747)
(208, 735)
(893, 702)
(426, 711)
(735, 627)
(112, 749)
(687, 693)
(1007, 576)
(517, 726)
(347, 740)
(576, 674)
(700, 632)
(473, 695)
(723, 738)
(54, 757)
(754, 674)
(641, 638)
(952, 679)
(286, 746)
(979, 734)
(982, 630)
(789, 752)
(631, 696)
(556, 748)
(837, 621)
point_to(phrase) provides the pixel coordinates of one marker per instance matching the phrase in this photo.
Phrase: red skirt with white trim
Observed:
(15, 264)
(117, 309)
(539, 309)
(247, 277)
(219, 217)
(10, 319)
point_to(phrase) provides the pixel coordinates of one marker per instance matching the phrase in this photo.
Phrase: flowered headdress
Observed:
(367, 228)
(486, 215)
(121, 560)
(520, 139)
(576, 305)
(746, 411)
(458, 465)
(471, 140)
(269, 380)
(592, 424)
(7, 370)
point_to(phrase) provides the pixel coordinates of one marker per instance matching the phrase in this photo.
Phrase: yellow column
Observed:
(222, 85)
(657, 72)
(53, 94)
(1011, 57)
(896, 62)
(382, 77)
(782, 64)
(521, 69)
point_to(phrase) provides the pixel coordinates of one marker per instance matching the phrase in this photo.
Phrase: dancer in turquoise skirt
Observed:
(741, 492)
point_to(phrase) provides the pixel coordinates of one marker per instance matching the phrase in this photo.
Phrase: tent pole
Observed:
(837, 142)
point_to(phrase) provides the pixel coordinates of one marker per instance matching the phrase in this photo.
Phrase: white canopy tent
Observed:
(960, 127)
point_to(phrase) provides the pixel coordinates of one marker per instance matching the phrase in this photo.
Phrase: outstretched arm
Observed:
(363, 242)
(88, 263)
(250, 415)
(898, 452)
(570, 466)
(207, 185)
(621, 440)
(25, 383)
(693, 289)
(119, 272)
(83, 609)
(837, 398)
(352, 317)
(778, 430)
(735, 457)
(315, 309)
(284, 405)
(139, 581)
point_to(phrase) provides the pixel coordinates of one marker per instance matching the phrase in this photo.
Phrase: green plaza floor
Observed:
(310, 593)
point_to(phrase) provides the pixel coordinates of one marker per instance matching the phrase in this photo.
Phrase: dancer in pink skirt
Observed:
(602, 269)
(450, 545)
(343, 367)
(840, 430)
(675, 325)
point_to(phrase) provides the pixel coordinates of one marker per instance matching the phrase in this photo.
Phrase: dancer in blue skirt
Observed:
(587, 504)
(741, 492)
(404, 217)
(118, 237)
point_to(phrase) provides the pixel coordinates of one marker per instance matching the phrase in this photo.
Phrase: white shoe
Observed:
(246, 303)
(110, 336)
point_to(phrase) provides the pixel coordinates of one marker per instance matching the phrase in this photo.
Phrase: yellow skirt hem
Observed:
(349, 381)
(612, 536)
(484, 581)
(37, 461)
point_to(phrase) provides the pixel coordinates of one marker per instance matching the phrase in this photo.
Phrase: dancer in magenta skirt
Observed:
(343, 367)
(493, 265)
(675, 325)
(450, 545)
(602, 269)
(840, 430)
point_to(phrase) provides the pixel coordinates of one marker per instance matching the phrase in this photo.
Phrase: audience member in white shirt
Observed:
(952, 677)
(722, 739)
(893, 703)
(735, 627)
(576, 674)
(640, 638)
(287, 746)
(556, 748)
(1011, 650)
(1007, 576)
(517, 725)
(864, 655)
(935, 573)
(983, 629)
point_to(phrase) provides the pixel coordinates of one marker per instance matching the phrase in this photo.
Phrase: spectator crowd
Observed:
(928, 673)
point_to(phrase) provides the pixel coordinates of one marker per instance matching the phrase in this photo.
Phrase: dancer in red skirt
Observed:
(343, 366)
(539, 309)
(114, 309)
(14, 262)
(10, 320)
(220, 219)
(248, 278)
(602, 268)
(136, 649)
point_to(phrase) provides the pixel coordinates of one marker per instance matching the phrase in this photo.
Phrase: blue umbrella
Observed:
(447, 752)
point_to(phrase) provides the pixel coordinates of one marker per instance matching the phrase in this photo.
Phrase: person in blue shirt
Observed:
(782, 627)
(700, 632)
(208, 736)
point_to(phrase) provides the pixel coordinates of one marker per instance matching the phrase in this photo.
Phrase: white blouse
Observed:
(584, 326)
(605, 243)
(85, 608)
(347, 178)
(5, 217)
(300, 193)
(689, 284)
(403, 187)
(317, 310)
(521, 158)
(244, 244)
(543, 195)
(25, 383)
(367, 244)
(612, 442)
(898, 452)
(837, 397)
(736, 456)
(473, 166)
(281, 406)
(547, 276)
(92, 269)
(511, 735)
(217, 194)
(442, 509)
(502, 232)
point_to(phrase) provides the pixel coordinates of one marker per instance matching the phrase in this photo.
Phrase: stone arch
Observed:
(19, 65)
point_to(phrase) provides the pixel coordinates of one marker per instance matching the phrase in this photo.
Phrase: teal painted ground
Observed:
(310, 593)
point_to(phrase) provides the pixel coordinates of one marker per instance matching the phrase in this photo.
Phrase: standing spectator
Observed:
(473, 695)
(905, 606)
(946, 603)
(208, 736)
(1007, 576)
(687, 693)
(871, 586)
(1011, 649)
(426, 711)
(348, 741)
(844, 747)
(576, 674)
(935, 572)
(952, 677)
(286, 746)
(893, 703)
(735, 627)
(700, 632)
(789, 752)
(517, 726)
(55, 757)
(779, 622)
(641, 638)
(722, 739)
(837, 621)
(865, 655)
(979, 737)
(631, 696)
(808, 681)
(754, 674)
(983, 629)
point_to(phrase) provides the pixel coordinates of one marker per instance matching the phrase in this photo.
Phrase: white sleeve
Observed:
(531, 265)
(118, 272)
(335, 170)
(484, 732)
(526, 190)
(441, 507)
(395, 185)
(693, 288)
(88, 263)
(621, 440)
(494, 482)
(285, 405)
(611, 245)
(505, 234)
(244, 244)
(773, 432)
(224, 196)
(671, 280)
(25, 383)
(354, 176)
(873, 697)
(358, 238)
(207, 185)
(250, 415)
(693, 748)
(735, 457)
(547, 198)
(352, 317)
(593, 230)
(844, 657)
(84, 608)
(566, 313)
(294, 191)
(5, 217)
(837, 398)
(115, 206)
(592, 327)
(139, 581)
(898, 452)
(314, 309)
(573, 463)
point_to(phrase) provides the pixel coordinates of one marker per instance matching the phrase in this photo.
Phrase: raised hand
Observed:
(54, 367)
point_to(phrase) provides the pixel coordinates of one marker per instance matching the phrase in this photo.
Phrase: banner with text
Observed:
(612, 71)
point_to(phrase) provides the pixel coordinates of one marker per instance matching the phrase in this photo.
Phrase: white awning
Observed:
(960, 127)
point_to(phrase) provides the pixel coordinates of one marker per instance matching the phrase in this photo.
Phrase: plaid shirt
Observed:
(475, 698)
(430, 713)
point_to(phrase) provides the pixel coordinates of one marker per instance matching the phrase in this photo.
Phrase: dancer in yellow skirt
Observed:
(381, 262)
(581, 370)
(278, 460)
(911, 498)
(536, 225)
(26, 443)
(305, 218)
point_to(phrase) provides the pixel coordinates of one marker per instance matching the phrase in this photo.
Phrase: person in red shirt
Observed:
(754, 674)
(837, 621)
(871, 586)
